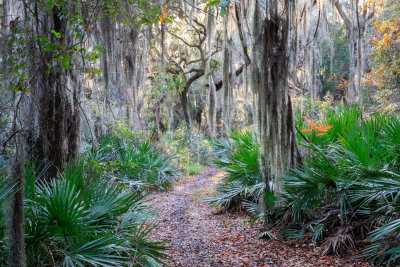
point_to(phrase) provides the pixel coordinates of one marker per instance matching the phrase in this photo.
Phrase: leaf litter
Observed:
(200, 235)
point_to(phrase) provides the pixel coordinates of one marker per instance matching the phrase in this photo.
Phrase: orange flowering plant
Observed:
(322, 129)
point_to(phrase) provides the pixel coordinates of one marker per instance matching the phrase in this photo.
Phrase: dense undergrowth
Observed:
(134, 161)
(192, 150)
(239, 157)
(345, 193)
(93, 213)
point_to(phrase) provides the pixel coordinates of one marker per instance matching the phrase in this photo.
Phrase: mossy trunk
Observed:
(227, 76)
(15, 202)
(184, 96)
(275, 120)
(212, 112)
(57, 136)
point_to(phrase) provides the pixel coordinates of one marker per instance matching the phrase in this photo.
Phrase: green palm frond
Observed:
(239, 157)
(147, 253)
(99, 252)
(59, 205)
(100, 224)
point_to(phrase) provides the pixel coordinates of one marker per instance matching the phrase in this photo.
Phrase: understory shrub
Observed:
(345, 193)
(194, 168)
(193, 151)
(135, 162)
(81, 218)
(348, 188)
(238, 156)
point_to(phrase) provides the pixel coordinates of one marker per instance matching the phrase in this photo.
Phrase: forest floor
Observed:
(199, 235)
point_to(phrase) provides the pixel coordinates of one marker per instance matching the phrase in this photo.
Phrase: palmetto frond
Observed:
(89, 224)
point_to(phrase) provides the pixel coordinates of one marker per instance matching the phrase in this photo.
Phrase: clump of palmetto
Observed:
(346, 187)
(239, 158)
(135, 162)
(346, 192)
(81, 218)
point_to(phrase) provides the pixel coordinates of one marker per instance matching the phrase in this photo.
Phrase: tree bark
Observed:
(185, 106)
(275, 121)
(227, 76)
(15, 202)
(355, 27)
(74, 123)
(57, 139)
(212, 112)
(16, 224)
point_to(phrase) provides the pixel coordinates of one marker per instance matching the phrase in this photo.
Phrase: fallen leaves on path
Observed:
(199, 236)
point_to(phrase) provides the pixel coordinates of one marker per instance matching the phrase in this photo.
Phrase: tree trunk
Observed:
(212, 112)
(212, 93)
(162, 41)
(185, 106)
(353, 90)
(58, 119)
(227, 76)
(255, 79)
(16, 224)
(355, 30)
(275, 121)
(74, 123)
(15, 203)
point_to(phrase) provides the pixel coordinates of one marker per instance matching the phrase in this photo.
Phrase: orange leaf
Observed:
(91, 74)
(165, 10)
(88, 27)
(312, 125)
(323, 128)
(163, 19)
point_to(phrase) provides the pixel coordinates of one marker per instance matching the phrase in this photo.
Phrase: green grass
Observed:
(194, 168)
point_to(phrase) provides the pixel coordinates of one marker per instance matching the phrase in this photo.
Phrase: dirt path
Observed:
(198, 236)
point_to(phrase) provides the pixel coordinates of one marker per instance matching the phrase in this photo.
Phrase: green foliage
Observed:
(345, 191)
(341, 120)
(194, 168)
(335, 59)
(134, 161)
(193, 151)
(168, 83)
(81, 219)
(239, 158)
(350, 182)
(93, 214)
